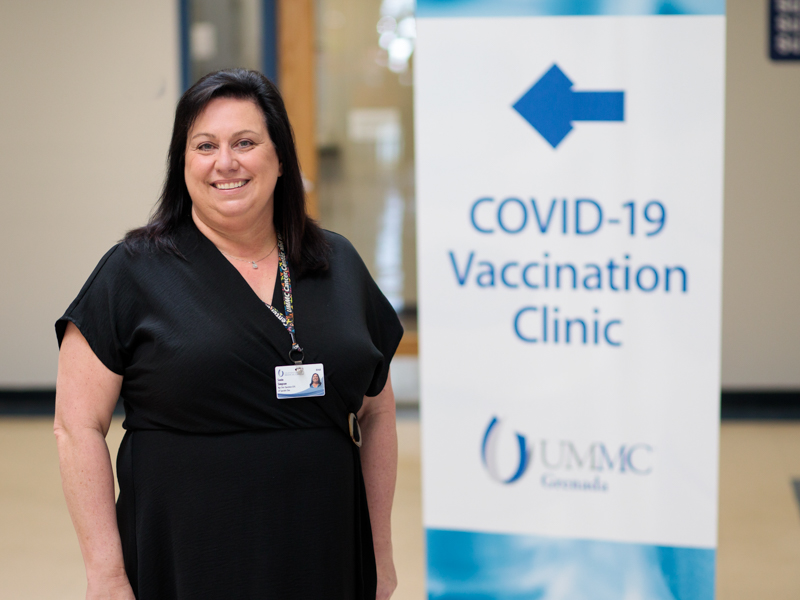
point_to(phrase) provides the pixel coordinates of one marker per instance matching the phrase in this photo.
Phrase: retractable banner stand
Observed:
(569, 170)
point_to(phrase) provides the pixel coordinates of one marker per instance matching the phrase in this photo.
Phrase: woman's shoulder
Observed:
(337, 241)
(123, 262)
(344, 258)
(114, 261)
(341, 247)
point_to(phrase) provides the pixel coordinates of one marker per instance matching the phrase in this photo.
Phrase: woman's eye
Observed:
(205, 147)
(245, 144)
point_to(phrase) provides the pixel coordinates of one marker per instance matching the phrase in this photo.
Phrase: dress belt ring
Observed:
(355, 429)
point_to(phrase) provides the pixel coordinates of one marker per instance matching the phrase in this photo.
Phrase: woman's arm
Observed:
(86, 393)
(379, 464)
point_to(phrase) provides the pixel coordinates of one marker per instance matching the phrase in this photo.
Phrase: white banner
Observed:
(569, 222)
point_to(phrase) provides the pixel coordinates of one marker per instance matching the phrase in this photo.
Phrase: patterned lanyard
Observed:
(288, 320)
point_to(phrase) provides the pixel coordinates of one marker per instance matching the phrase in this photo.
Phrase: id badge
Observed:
(299, 381)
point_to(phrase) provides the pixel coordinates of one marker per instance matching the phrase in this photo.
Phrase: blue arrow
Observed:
(550, 106)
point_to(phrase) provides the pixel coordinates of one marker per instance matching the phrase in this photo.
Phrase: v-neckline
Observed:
(246, 292)
(276, 288)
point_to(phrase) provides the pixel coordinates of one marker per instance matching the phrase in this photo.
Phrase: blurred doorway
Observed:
(220, 34)
(365, 137)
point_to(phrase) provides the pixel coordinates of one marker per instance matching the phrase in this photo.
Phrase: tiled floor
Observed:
(759, 539)
(759, 517)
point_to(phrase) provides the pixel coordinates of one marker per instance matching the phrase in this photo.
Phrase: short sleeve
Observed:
(100, 309)
(385, 330)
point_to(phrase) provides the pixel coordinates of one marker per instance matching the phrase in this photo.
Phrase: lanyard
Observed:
(288, 319)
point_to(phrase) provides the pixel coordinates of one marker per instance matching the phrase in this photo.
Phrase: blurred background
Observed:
(86, 105)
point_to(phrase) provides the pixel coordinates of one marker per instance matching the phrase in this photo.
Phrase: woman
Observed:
(227, 491)
(315, 382)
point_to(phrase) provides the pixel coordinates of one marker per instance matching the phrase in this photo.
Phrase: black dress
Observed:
(226, 491)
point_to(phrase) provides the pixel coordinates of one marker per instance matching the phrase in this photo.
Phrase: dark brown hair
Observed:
(306, 247)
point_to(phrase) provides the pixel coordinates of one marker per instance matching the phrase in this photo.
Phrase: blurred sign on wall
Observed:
(784, 29)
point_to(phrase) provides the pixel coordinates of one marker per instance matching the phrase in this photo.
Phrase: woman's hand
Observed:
(110, 588)
(387, 577)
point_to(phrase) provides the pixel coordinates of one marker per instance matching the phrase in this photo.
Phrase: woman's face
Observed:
(315, 378)
(231, 165)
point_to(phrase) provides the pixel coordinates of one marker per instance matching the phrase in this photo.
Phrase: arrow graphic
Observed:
(551, 105)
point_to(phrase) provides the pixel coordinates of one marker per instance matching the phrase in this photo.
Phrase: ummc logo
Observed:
(556, 457)
(489, 454)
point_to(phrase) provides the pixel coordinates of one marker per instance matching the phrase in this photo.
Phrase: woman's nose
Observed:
(226, 160)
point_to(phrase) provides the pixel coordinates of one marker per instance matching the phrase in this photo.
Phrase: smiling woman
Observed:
(226, 488)
(231, 164)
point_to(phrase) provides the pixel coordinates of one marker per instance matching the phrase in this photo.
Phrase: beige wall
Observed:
(761, 286)
(87, 92)
(86, 100)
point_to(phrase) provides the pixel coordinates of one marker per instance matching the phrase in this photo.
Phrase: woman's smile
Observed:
(230, 185)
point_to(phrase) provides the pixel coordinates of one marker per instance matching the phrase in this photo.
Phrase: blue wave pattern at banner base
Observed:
(549, 8)
(465, 565)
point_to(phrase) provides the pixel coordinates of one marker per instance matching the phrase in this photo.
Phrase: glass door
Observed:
(365, 137)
